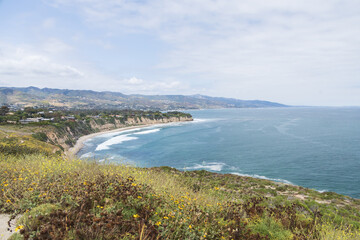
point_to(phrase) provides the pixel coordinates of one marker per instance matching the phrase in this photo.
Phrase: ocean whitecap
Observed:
(147, 131)
(115, 140)
(263, 177)
(212, 166)
(87, 155)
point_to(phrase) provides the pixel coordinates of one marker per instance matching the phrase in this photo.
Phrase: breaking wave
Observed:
(87, 155)
(213, 166)
(263, 177)
(147, 132)
(115, 140)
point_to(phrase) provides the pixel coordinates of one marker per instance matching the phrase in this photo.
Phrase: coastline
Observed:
(71, 152)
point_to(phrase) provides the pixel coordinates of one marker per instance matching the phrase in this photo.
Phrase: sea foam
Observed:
(115, 140)
(87, 155)
(321, 191)
(263, 177)
(213, 166)
(147, 132)
(120, 132)
(202, 120)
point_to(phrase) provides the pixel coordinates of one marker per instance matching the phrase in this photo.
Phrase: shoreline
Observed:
(71, 152)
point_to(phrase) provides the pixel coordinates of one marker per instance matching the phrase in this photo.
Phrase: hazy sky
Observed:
(302, 52)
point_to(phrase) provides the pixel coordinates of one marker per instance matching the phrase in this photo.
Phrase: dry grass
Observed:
(87, 200)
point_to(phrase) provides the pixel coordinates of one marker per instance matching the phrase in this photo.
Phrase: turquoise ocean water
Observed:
(317, 148)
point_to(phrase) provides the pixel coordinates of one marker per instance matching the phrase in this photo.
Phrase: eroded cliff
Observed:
(65, 137)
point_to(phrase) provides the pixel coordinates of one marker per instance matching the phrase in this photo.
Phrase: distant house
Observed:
(46, 119)
(70, 118)
(35, 120)
(13, 108)
(29, 120)
(24, 121)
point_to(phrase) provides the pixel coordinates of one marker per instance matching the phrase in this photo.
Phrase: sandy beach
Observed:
(80, 142)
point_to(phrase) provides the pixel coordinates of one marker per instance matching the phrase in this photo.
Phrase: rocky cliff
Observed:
(66, 136)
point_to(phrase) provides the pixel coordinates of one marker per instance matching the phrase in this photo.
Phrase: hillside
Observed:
(61, 198)
(62, 129)
(86, 99)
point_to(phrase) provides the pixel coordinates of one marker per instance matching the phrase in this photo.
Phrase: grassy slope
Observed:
(19, 139)
(86, 200)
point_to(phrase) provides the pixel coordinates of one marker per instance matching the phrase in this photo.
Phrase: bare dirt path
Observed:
(4, 233)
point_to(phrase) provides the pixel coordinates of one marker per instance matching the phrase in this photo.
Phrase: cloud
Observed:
(231, 37)
(279, 50)
(134, 81)
(23, 66)
(135, 86)
(20, 62)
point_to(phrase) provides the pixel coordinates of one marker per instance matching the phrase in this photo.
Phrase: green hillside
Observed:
(85, 99)
(60, 198)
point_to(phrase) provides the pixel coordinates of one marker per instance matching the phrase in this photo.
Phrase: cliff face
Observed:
(65, 137)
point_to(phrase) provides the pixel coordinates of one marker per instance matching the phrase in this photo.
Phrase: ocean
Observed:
(318, 148)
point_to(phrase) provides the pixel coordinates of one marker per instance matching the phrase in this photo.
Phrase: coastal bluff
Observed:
(65, 137)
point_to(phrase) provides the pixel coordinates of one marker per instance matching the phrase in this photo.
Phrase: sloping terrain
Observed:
(86, 99)
(88, 200)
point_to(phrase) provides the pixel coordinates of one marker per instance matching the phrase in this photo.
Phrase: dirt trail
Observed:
(4, 233)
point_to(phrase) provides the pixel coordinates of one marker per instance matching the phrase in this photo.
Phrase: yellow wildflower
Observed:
(19, 227)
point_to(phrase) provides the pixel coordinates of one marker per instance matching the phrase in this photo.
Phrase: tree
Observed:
(4, 110)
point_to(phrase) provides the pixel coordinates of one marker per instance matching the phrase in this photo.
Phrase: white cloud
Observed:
(21, 63)
(23, 66)
(288, 51)
(134, 81)
(135, 86)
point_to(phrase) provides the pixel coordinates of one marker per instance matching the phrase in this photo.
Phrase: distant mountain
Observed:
(87, 99)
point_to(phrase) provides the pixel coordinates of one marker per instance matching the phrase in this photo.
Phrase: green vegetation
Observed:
(19, 144)
(62, 198)
(62, 118)
(87, 200)
(40, 136)
(64, 127)
(84, 99)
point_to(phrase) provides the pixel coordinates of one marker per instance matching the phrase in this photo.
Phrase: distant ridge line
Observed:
(90, 99)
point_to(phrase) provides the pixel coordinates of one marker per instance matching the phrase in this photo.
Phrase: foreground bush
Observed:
(73, 199)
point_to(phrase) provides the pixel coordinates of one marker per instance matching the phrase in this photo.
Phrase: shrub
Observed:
(40, 136)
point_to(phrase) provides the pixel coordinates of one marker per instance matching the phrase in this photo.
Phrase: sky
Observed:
(298, 52)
